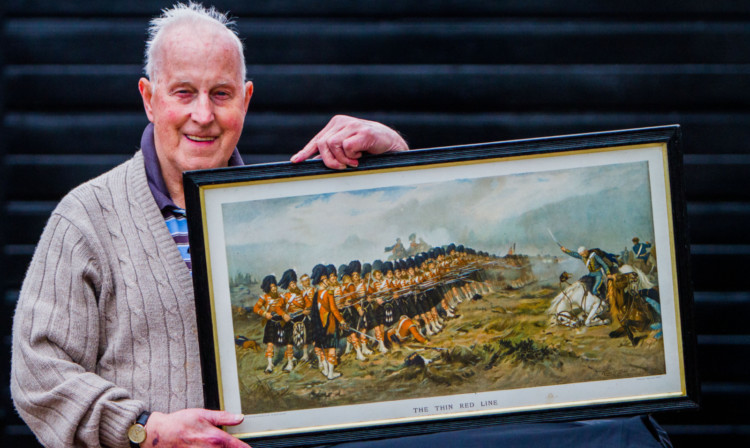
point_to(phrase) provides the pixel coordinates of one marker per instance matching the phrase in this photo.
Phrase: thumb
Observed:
(222, 418)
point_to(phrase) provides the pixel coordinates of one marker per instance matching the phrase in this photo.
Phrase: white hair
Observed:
(581, 250)
(190, 13)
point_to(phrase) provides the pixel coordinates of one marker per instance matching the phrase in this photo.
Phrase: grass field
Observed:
(503, 341)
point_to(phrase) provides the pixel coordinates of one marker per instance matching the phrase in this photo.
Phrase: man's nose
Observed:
(203, 111)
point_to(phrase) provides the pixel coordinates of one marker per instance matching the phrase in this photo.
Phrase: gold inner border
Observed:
(353, 172)
(673, 255)
(212, 302)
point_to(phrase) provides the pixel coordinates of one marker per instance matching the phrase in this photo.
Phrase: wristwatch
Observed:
(137, 431)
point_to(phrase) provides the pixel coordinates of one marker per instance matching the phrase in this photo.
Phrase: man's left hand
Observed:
(344, 139)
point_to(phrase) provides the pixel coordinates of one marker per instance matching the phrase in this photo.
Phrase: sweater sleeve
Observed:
(56, 338)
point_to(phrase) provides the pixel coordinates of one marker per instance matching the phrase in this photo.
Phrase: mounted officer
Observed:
(597, 267)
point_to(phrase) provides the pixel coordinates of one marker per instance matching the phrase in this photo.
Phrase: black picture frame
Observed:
(658, 150)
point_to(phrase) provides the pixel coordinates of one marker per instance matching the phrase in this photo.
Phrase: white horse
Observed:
(643, 280)
(575, 306)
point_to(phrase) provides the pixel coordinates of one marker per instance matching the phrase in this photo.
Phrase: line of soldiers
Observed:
(374, 304)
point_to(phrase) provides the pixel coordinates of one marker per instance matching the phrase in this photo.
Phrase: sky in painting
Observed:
(602, 206)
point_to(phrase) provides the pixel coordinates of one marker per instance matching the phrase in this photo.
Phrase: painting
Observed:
(531, 278)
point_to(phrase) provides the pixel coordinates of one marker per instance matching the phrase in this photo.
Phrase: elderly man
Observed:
(105, 347)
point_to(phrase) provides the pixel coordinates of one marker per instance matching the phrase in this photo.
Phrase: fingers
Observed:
(354, 145)
(311, 148)
(333, 156)
(330, 143)
(344, 139)
(222, 418)
(329, 147)
(216, 436)
(192, 427)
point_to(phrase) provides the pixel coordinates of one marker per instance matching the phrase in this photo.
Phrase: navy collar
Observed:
(153, 169)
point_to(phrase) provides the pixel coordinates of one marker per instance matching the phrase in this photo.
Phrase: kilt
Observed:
(371, 318)
(433, 297)
(298, 331)
(274, 331)
(390, 311)
(409, 305)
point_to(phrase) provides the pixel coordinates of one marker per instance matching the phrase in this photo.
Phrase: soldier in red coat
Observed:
(298, 327)
(327, 321)
(351, 309)
(405, 328)
(270, 306)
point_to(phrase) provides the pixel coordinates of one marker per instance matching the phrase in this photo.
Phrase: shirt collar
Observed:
(153, 170)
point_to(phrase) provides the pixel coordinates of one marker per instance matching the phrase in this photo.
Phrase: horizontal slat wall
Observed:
(115, 132)
(451, 87)
(442, 73)
(458, 41)
(661, 9)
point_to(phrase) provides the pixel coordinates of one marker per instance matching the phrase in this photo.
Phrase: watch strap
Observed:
(140, 420)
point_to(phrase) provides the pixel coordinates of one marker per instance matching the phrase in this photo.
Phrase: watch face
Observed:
(137, 433)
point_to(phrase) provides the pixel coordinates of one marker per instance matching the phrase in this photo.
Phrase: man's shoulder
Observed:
(112, 179)
(111, 182)
(129, 167)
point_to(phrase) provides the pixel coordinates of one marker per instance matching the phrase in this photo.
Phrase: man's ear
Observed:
(146, 89)
(248, 93)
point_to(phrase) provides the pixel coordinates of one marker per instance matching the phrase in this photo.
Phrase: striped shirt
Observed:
(174, 217)
(176, 221)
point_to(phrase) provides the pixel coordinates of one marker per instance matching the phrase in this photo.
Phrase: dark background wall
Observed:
(441, 72)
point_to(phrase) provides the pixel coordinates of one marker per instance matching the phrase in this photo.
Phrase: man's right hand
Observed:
(192, 428)
(345, 139)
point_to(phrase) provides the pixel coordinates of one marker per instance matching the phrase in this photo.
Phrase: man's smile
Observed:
(198, 138)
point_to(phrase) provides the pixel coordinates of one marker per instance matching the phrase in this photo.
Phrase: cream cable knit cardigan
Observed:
(105, 325)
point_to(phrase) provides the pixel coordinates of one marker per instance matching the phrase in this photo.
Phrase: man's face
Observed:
(306, 282)
(273, 288)
(198, 100)
(292, 285)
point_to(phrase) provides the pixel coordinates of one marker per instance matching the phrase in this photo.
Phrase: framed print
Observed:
(447, 288)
